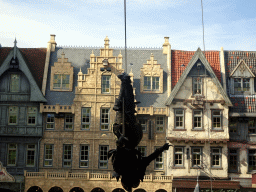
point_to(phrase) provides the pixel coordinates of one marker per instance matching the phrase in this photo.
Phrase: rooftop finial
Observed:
(15, 48)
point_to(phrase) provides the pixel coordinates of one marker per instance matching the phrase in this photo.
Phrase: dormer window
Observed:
(242, 80)
(241, 84)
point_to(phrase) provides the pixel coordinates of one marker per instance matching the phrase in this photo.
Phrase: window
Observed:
(31, 114)
(160, 124)
(179, 118)
(143, 123)
(86, 116)
(216, 157)
(197, 85)
(48, 155)
(49, 121)
(252, 125)
(233, 123)
(151, 83)
(216, 119)
(198, 120)
(178, 156)
(13, 115)
(142, 150)
(69, 122)
(84, 156)
(241, 84)
(252, 159)
(15, 83)
(103, 158)
(31, 155)
(61, 81)
(67, 155)
(233, 160)
(159, 162)
(12, 155)
(104, 119)
(196, 156)
(105, 84)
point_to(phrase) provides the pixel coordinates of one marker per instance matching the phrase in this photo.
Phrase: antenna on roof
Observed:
(203, 23)
(15, 48)
(125, 69)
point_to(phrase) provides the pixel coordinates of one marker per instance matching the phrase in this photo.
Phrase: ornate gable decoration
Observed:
(198, 55)
(4, 175)
(242, 70)
(151, 77)
(62, 75)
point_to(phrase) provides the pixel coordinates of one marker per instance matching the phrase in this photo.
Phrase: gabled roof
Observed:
(242, 64)
(180, 60)
(199, 55)
(34, 57)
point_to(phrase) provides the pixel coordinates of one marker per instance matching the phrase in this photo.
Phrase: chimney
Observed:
(52, 42)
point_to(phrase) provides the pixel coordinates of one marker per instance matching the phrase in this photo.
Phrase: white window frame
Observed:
(195, 119)
(103, 156)
(47, 156)
(69, 126)
(86, 118)
(154, 83)
(84, 158)
(15, 150)
(159, 161)
(105, 86)
(178, 153)
(67, 155)
(49, 118)
(104, 121)
(61, 82)
(31, 152)
(213, 154)
(160, 123)
(178, 116)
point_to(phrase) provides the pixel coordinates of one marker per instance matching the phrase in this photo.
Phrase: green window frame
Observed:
(197, 119)
(13, 115)
(178, 156)
(15, 83)
(31, 115)
(216, 119)
(216, 157)
(196, 156)
(179, 118)
(12, 154)
(31, 155)
(233, 160)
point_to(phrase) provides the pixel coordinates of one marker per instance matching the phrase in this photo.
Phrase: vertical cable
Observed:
(125, 69)
(203, 23)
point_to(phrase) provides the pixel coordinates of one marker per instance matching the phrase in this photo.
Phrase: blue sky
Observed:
(228, 23)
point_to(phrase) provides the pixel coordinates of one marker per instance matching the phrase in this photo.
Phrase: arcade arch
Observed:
(118, 190)
(76, 189)
(97, 189)
(55, 189)
(34, 189)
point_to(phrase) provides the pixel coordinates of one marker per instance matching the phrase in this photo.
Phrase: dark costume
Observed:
(127, 161)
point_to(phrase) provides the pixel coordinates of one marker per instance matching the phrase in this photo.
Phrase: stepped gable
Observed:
(179, 58)
(35, 59)
(4, 52)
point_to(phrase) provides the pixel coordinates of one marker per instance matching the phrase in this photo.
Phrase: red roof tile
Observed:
(34, 57)
(184, 57)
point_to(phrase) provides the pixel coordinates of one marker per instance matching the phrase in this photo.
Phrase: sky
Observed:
(230, 24)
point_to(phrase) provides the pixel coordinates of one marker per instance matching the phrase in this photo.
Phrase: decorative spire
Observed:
(106, 42)
(15, 48)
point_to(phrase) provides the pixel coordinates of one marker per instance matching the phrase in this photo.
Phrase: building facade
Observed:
(21, 126)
